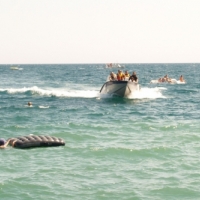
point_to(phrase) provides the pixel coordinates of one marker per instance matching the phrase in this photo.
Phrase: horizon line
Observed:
(98, 63)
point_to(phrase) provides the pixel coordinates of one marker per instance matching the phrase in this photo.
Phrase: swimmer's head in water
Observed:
(2, 141)
(29, 103)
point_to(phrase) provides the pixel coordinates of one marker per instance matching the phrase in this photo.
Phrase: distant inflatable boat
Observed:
(114, 65)
(173, 81)
(14, 68)
(32, 141)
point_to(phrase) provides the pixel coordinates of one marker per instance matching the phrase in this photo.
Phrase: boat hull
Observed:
(119, 88)
(14, 68)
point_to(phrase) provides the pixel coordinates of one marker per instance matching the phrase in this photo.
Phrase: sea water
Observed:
(142, 147)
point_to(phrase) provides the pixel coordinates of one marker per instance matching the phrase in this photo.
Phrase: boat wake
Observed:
(143, 93)
(56, 92)
(147, 93)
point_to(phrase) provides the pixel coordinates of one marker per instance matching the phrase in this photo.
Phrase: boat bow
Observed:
(119, 88)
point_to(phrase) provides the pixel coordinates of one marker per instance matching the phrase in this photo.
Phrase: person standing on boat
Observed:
(120, 76)
(133, 78)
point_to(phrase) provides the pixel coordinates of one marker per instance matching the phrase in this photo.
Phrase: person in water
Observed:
(30, 103)
(120, 75)
(3, 143)
(133, 78)
(181, 79)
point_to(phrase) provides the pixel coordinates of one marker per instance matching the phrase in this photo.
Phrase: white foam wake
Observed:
(143, 93)
(57, 92)
(147, 93)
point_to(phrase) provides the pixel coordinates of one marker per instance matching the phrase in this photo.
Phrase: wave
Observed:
(43, 107)
(56, 92)
(143, 93)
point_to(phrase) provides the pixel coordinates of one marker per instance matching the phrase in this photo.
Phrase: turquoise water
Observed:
(144, 147)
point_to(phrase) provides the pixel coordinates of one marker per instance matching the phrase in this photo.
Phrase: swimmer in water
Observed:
(3, 143)
(30, 103)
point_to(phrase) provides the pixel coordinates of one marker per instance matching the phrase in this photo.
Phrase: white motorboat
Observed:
(119, 88)
(114, 65)
(172, 81)
(14, 68)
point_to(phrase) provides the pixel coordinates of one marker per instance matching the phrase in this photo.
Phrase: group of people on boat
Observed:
(169, 80)
(165, 79)
(123, 76)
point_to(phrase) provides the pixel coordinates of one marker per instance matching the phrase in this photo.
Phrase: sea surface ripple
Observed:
(143, 147)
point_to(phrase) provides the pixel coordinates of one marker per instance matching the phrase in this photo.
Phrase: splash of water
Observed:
(147, 93)
(57, 92)
(143, 93)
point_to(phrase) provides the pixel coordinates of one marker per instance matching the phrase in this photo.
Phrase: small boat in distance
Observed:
(166, 79)
(119, 88)
(14, 68)
(172, 81)
(114, 65)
